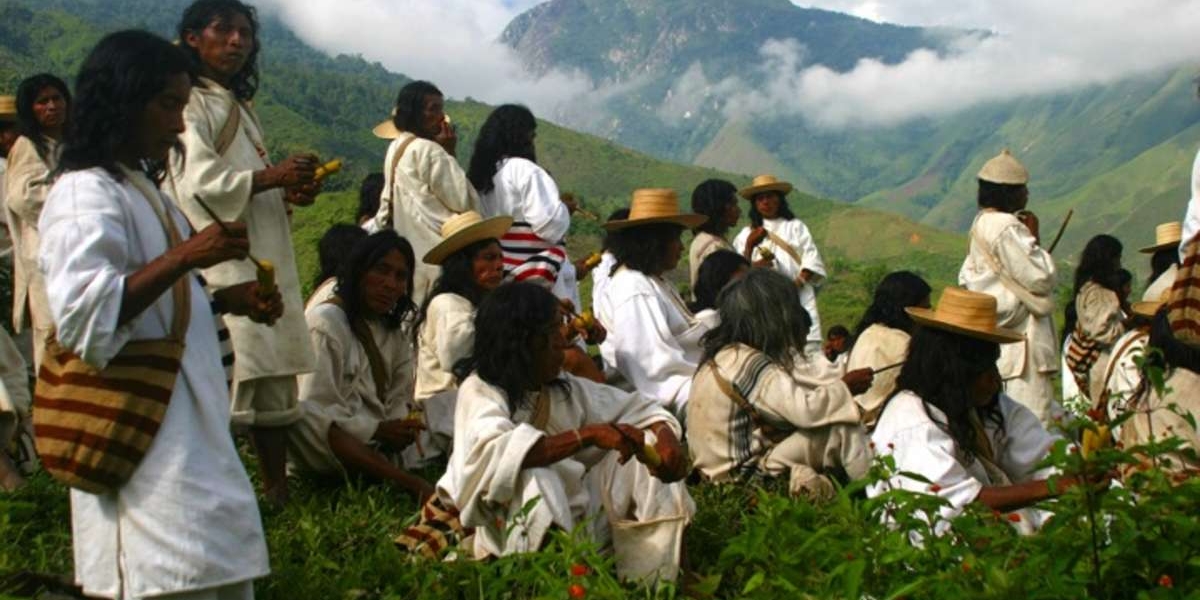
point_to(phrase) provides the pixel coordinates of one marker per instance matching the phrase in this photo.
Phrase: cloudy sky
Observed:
(1038, 46)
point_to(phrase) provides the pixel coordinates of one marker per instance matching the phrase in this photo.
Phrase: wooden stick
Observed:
(1062, 228)
(887, 368)
(217, 220)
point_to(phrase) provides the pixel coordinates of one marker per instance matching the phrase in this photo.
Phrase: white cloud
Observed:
(1037, 47)
(452, 43)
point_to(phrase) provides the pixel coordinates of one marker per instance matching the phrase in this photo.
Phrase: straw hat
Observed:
(1146, 309)
(1166, 235)
(8, 108)
(1004, 169)
(765, 183)
(465, 229)
(656, 205)
(969, 313)
(386, 130)
(1160, 287)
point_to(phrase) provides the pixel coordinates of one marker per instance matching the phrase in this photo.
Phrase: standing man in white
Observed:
(1007, 261)
(225, 163)
(785, 244)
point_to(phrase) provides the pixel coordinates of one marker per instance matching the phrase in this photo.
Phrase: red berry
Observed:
(1165, 581)
(579, 570)
(935, 488)
(849, 556)
(1014, 517)
(576, 591)
(966, 567)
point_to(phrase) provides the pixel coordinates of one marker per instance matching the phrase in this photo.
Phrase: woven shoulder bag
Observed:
(93, 426)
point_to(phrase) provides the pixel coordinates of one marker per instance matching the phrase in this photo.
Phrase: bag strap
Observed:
(1111, 368)
(180, 295)
(729, 390)
(1037, 305)
(229, 129)
(389, 177)
(362, 333)
(785, 246)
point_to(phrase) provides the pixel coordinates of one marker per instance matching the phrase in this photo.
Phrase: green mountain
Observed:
(310, 101)
(658, 51)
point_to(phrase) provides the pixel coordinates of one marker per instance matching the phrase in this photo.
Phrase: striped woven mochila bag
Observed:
(1183, 303)
(93, 426)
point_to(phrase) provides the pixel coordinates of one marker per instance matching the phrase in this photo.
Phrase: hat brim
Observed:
(749, 193)
(493, 228)
(386, 130)
(1146, 308)
(1162, 246)
(928, 318)
(687, 220)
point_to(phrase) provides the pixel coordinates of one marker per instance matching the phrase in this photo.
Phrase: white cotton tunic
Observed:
(653, 341)
(26, 183)
(796, 234)
(225, 181)
(703, 244)
(1028, 366)
(909, 432)
(187, 520)
(600, 276)
(877, 347)
(486, 482)
(527, 193)
(341, 390)
(1191, 219)
(447, 336)
(1121, 376)
(427, 187)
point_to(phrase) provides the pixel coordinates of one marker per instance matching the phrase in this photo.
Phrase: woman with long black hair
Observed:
(357, 405)
(43, 106)
(1097, 315)
(717, 200)
(510, 183)
(950, 423)
(882, 335)
(186, 523)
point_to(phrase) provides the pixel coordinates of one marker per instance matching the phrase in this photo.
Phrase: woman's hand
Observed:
(399, 433)
(447, 138)
(295, 170)
(244, 300)
(302, 195)
(859, 380)
(674, 466)
(213, 245)
(1031, 222)
(620, 437)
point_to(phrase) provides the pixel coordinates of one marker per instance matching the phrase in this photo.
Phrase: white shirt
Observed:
(653, 341)
(1191, 219)
(600, 276)
(527, 193)
(909, 431)
(187, 519)
(796, 234)
(447, 336)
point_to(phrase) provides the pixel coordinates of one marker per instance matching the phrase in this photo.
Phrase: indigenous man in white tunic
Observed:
(423, 182)
(1164, 259)
(717, 200)
(359, 414)
(224, 162)
(524, 432)
(8, 136)
(1006, 260)
(15, 432)
(749, 415)
(653, 339)
(186, 523)
(784, 243)
(43, 103)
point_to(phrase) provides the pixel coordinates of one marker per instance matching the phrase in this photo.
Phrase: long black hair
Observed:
(714, 274)
(1100, 263)
(118, 79)
(202, 13)
(642, 247)
(27, 123)
(507, 133)
(762, 310)
(458, 277)
(366, 253)
(1005, 197)
(942, 368)
(1162, 260)
(619, 214)
(335, 248)
(368, 196)
(410, 105)
(511, 326)
(785, 211)
(712, 199)
(898, 290)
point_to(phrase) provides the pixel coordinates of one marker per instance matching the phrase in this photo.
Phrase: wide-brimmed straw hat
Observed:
(8, 108)
(1166, 235)
(765, 183)
(465, 229)
(965, 312)
(386, 130)
(656, 205)
(1005, 169)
